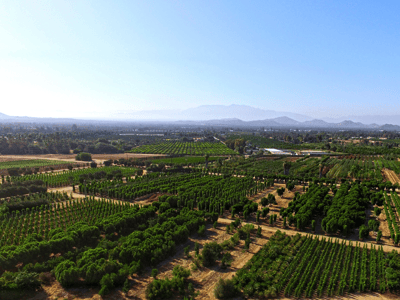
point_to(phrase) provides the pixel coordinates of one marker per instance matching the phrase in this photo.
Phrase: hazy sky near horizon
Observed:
(98, 58)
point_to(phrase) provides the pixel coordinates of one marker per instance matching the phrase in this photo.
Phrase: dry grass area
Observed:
(71, 157)
(7, 158)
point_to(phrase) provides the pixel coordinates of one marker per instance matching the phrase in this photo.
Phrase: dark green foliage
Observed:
(186, 250)
(154, 273)
(126, 286)
(379, 236)
(247, 243)
(180, 272)
(348, 208)
(373, 225)
(264, 201)
(166, 289)
(211, 252)
(271, 198)
(280, 191)
(393, 271)
(67, 273)
(315, 201)
(202, 230)
(196, 248)
(290, 185)
(363, 232)
(225, 289)
(377, 211)
(226, 260)
(83, 156)
(259, 231)
(265, 211)
(19, 281)
(265, 262)
(20, 188)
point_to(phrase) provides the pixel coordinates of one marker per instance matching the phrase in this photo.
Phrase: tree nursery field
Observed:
(185, 148)
(321, 227)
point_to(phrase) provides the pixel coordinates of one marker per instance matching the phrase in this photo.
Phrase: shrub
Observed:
(108, 163)
(180, 272)
(186, 250)
(196, 248)
(379, 236)
(377, 211)
(264, 201)
(126, 286)
(202, 230)
(363, 232)
(26, 280)
(225, 289)
(211, 252)
(83, 156)
(154, 273)
(46, 278)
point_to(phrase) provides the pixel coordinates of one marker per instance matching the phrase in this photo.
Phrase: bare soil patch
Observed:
(71, 157)
(391, 176)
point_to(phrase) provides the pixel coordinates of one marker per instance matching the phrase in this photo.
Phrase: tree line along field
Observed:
(108, 241)
(268, 142)
(186, 160)
(33, 165)
(185, 148)
(30, 163)
(342, 167)
(74, 177)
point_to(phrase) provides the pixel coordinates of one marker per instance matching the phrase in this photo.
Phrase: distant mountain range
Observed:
(245, 113)
(210, 112)
(231, 116)
(290, 123)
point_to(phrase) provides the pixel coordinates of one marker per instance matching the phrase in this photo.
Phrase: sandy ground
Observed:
(391, 175)
(71, 157)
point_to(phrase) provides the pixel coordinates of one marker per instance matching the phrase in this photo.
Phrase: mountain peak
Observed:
(4, 116)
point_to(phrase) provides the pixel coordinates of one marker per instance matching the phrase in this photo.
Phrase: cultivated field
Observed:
(104, 231)
(185, 148)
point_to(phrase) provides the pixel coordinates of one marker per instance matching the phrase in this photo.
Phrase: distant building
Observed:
(279, 151)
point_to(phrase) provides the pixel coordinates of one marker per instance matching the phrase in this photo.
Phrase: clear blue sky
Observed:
(95, 58)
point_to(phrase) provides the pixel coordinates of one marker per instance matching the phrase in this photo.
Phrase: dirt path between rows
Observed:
(273, 229)
(391, 175)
